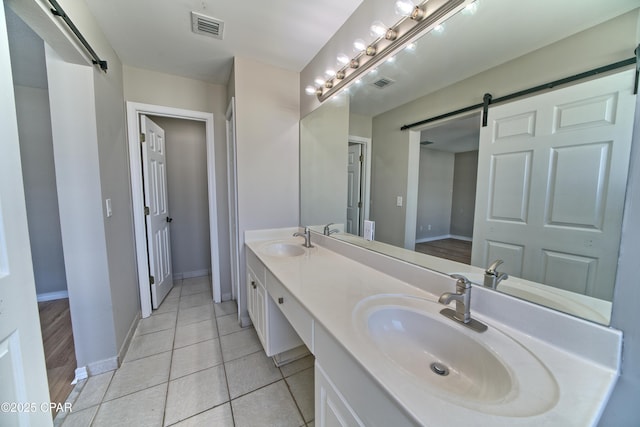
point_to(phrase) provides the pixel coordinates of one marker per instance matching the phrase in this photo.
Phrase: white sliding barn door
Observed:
(154, 168)
(552, 174)
(23, 377)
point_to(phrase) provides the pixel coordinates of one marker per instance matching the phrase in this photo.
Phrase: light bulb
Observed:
(391, 59)
(330, 73)
(378, 29)
(319, 81)
(310, 90)
(359, 45)
(343, 59)
(438, 29)
(471, 8)
(411, 46)
(404, 7)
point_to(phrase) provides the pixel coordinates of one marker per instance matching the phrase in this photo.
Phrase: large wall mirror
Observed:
(541, 188)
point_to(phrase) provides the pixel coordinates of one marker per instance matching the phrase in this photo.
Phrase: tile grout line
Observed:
(173, 342)
(224, 367)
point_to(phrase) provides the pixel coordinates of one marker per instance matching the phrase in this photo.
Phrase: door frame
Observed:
(365, 181)
(134, 110)
(232, 192)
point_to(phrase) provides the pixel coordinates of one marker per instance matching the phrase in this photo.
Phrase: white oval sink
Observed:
(283, 249)
(488, 372)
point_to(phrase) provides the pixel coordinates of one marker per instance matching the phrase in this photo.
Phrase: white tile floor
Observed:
(190, 364)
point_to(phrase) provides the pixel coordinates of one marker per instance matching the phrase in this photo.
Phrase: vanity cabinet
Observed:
(274, 331)
(332, 409)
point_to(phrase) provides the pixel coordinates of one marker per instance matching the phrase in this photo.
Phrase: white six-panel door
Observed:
(154, 168)
(24, 394)
(354, 173)
(552, 174)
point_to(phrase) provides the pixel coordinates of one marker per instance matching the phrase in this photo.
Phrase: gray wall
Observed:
(465, 177)
(38, 172)
(188, 197)
(267, 120)
(360, 125)
(622, 410)
(435, 190)
(323, 164)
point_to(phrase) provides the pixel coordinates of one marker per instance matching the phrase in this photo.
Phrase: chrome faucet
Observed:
(328, 231)
(307, 237)
(492, 277)
(462, 297)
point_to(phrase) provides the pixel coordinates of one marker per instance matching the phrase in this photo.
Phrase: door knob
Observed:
(169, 219)
(280, 300)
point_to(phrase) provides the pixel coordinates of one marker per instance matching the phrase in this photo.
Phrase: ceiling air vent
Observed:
(206, 25)
(383, 82)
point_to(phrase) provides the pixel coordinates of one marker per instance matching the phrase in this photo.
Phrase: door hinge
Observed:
(143, 137)
(146, 210)
(361, 158)
(359, 204)
(152, 280)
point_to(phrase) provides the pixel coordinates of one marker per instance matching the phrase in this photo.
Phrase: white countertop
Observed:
(330, 286)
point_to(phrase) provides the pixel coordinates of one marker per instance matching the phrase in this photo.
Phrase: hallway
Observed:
(190, 364)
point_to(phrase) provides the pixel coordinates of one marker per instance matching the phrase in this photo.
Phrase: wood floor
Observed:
(59, 351)
(453, 249)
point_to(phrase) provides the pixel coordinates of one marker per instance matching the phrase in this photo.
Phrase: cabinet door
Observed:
(332, 410)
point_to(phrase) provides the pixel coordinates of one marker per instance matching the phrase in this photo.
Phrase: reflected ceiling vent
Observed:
(383, 82)
(207, 26)
(423, 143)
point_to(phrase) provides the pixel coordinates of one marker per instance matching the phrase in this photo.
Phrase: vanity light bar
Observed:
(406, 30)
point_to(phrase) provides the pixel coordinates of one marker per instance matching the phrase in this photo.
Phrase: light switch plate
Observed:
(369, 230)
(107, 204)
(399, 201)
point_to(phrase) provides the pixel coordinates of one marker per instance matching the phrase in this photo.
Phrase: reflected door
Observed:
(354, 203)
(552, 173)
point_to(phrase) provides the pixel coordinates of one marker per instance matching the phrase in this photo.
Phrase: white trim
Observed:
(445, 236)
(134, 109)
(81, 374)
(232, 198)
(51, 296)
(366, 182)
(411, 199)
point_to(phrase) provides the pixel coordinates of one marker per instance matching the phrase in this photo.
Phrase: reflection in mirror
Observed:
(541, 188)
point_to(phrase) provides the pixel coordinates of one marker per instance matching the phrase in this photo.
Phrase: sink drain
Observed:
(439, 369)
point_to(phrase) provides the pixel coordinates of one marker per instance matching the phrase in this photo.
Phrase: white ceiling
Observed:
(156, 34)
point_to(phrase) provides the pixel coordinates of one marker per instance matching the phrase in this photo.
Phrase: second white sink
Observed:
(281, 249)
(488, 372)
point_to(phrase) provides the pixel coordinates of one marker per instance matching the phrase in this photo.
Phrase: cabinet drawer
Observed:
(299, 318)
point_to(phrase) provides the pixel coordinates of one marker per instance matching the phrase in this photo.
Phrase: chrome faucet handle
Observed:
(460, 277)
(327, 230)
(492, 269)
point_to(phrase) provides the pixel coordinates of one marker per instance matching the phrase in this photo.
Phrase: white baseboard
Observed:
(81, 374)
(50, 296)
(191, 274)
(127, 340)
(431, 239)
(446, 236)
(463, 238)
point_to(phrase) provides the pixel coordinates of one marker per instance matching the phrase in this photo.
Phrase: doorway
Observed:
(186, 175)
(134, 111)
(358, 184)
(447, 188)
(39, 177)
